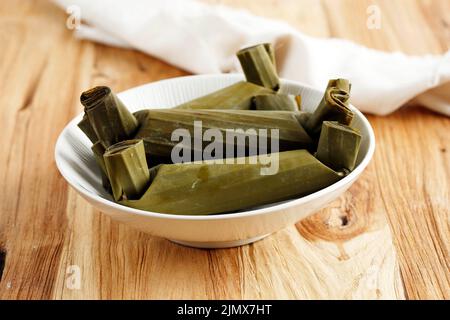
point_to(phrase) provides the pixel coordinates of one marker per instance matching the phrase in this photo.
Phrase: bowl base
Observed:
(219, 244)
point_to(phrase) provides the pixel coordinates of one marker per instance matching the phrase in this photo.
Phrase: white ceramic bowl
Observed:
(77, 165)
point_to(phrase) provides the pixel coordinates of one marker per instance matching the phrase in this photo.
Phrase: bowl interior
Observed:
(77, 164)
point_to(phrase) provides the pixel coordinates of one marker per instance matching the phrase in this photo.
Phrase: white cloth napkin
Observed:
(203, 38)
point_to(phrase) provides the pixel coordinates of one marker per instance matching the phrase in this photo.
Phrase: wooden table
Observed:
(387, 237)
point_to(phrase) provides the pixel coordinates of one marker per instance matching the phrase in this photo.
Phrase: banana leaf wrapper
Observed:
(157, 125)
(211, 188)
(127, 169)
(338, 146)
(108, 116)
(271, 52)
(99, 150)
(258, 67)
(85, 126)
(280, 102)
(237, 96)
(334, 106)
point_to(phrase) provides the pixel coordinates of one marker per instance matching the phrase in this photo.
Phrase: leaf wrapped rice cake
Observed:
(85, 126)
(108, 117)
(237, 96)
(125, 144)
(99, 150)
(127, 169)
(258, 65)
(211, 188)
(280, 102)
(338, 146)
(332, 107)
(157, 126)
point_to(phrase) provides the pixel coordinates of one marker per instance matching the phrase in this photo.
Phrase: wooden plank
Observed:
(345, 251)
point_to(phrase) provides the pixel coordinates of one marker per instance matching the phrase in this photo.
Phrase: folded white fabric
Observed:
(203, 38)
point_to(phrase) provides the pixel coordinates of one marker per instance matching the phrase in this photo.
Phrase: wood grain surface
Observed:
(387, 237)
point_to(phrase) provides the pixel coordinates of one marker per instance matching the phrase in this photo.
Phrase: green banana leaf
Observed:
(157, 125)
(257, 64)
(338, 146)
(334, 106)
(237, 96)
(99, 150)
(85, 126)
(280, 102)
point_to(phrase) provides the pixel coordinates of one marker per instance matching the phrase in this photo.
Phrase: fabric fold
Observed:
(203, 38)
